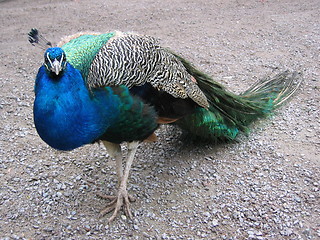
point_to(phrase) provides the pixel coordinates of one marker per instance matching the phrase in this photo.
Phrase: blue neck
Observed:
(66, 114)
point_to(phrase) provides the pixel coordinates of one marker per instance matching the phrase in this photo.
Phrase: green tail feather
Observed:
(230, 113)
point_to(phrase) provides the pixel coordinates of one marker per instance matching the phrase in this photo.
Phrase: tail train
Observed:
(230, 113)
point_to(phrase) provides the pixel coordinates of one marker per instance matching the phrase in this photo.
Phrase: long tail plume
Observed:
(284, 85)
(230, 113)
(36, 39)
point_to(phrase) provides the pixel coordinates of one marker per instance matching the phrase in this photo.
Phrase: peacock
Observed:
(119, 87)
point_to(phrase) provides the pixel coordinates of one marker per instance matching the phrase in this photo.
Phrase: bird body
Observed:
(118, 87)
(170, 84)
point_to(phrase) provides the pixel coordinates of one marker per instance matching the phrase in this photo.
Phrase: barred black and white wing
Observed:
(133, 60)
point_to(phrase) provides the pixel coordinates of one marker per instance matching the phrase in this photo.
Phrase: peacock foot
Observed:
(116, 202)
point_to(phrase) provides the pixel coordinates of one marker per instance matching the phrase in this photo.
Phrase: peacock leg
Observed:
(114, 151)
(122, 198)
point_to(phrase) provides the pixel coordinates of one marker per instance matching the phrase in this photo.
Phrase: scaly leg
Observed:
(114, 151)
(122, 198)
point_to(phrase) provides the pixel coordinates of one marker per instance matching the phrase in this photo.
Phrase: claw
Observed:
(108, 197)
(115, 204)
(122, 198)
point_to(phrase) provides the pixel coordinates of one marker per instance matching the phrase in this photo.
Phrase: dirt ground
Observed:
(265, 186)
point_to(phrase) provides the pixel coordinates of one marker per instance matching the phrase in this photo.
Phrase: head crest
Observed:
(36, 39)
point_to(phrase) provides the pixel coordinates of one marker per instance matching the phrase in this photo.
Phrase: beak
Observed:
(56, 67)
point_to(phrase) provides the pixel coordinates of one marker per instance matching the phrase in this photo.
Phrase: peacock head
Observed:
(55, 60)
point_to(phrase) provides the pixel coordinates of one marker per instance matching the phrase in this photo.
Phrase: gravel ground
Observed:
(265, 186)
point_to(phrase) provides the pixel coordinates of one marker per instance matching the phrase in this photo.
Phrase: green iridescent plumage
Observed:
(136, 120)
(82, 50)
(230, 113)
